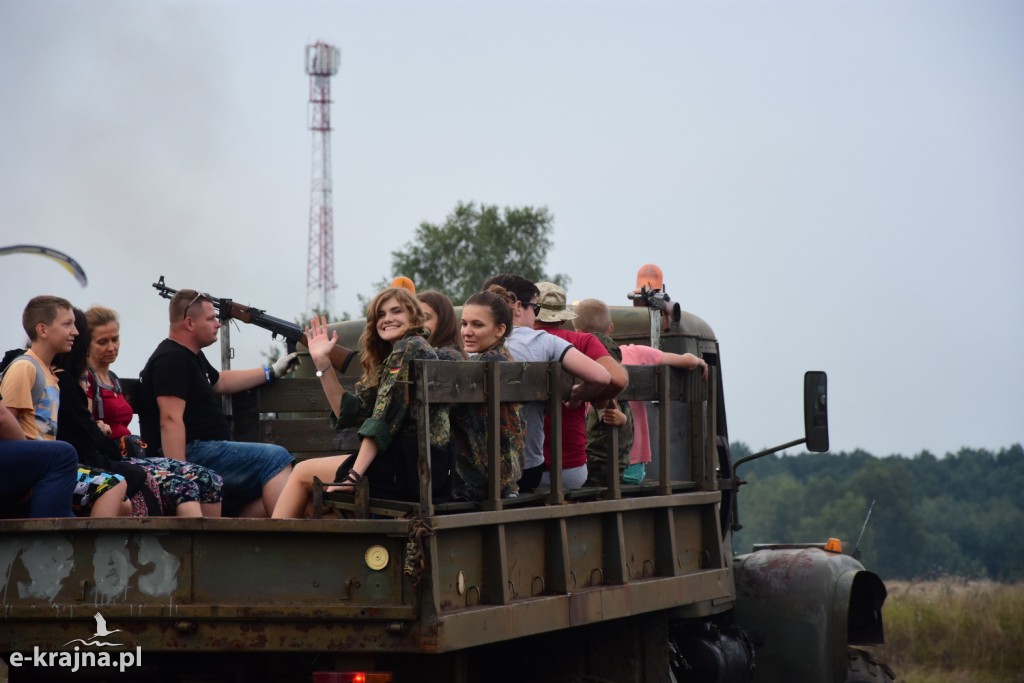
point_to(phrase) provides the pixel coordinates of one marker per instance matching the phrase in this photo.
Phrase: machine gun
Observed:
(291, 333)
(650, 293)
(664, 312)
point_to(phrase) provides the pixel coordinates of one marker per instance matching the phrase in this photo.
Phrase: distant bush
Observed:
(958, 514)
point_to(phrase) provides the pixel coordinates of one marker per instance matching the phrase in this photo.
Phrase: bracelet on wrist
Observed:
(266, 373)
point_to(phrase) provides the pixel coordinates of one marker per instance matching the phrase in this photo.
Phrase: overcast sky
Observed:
(830, 185)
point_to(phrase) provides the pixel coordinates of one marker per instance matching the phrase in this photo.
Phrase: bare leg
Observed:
(211, 509)
(189, 509)
(262, 506)
(109, 504)
(298, 490)
(254, 509)
(273, 488)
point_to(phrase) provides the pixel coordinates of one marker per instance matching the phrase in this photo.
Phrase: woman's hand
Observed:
(104, 427)
(613, 416)
(320, 343)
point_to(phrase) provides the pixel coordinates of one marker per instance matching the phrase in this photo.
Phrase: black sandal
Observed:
(351, 478)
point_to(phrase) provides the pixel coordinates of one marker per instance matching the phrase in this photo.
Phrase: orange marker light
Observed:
(403, 282)
(834, 545)
(650, 276)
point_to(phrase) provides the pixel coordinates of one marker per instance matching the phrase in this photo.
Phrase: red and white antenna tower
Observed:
(322, 62)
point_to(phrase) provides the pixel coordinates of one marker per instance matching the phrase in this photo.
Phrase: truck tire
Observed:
(861, 667)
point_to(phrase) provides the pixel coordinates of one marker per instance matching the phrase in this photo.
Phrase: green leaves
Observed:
(475, 243)
(957, 514)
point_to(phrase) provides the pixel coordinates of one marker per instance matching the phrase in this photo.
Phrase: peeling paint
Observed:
(48, 561)
(163, 580)
(111, 567)
(8, 553)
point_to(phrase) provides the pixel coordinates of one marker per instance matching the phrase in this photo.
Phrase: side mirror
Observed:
(816, 411)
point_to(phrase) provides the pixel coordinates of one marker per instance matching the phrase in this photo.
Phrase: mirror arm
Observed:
(761, 454)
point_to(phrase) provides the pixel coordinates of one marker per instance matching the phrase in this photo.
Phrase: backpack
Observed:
(38, 386)
(97, 400)
(131, 446)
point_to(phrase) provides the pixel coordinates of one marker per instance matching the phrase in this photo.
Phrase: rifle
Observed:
(291, 333)
(663, 310)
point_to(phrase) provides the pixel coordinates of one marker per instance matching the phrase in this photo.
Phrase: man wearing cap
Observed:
(553, 313)
(528, 344)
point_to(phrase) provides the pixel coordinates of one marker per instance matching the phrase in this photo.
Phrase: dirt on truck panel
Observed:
(617, 582)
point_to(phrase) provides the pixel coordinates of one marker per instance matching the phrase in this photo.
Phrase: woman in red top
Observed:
(187, 489)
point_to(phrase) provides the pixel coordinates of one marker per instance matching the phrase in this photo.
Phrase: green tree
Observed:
(769, 511)
(958, 513)
(475, 243)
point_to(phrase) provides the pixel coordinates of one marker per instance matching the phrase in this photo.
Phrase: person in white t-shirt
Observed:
(528, 344)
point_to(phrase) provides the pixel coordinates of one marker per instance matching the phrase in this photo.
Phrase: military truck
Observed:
(631, 583)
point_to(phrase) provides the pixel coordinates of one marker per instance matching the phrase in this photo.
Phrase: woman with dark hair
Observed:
(486, 322)
(384, 407)
(76, 426)
(439, 318)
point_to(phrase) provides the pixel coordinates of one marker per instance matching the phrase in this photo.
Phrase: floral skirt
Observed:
(181, 482)
(141, 504)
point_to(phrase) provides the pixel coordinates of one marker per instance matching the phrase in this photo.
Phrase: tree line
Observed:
(961, 514)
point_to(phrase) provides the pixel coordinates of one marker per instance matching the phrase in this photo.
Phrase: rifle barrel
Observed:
(290, 332)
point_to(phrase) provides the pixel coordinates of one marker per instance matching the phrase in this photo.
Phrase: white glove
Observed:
(285, 364)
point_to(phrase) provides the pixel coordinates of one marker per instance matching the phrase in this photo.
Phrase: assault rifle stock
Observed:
(291, 333)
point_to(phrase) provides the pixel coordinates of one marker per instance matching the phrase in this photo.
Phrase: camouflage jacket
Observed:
(388, 409)
(469, 439)
(598, 441)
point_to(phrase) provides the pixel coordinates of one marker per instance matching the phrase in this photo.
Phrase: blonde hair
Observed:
(101, 315)
(593, 316)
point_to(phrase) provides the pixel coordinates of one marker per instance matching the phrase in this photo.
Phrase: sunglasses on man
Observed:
(199, 295)
(526, 306)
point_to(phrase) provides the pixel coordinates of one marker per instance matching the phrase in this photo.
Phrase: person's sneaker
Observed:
(634, 474)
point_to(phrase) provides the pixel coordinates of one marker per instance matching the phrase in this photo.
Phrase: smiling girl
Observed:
(486, 321)
(383, 406)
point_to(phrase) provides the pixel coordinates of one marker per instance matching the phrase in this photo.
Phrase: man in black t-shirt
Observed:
(180, 412)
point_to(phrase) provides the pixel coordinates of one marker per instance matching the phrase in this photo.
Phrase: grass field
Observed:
(954, 631)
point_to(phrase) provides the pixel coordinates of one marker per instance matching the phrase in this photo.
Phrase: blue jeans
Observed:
(49, 469)
(245, 467)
